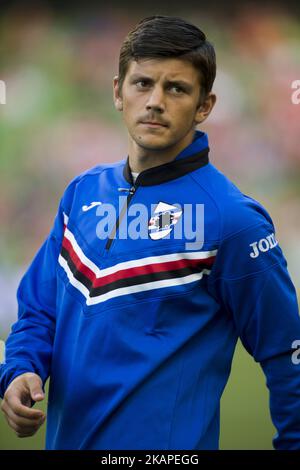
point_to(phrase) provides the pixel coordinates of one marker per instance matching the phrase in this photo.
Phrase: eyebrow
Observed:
(181, 83)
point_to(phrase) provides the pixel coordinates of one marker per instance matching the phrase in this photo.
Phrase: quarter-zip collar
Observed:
(191, 158)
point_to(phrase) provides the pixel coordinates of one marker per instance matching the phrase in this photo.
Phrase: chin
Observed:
(153, 142)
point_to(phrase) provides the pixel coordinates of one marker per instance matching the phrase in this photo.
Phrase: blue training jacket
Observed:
(138, 333)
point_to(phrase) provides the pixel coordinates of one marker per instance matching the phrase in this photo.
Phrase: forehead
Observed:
(165, 68)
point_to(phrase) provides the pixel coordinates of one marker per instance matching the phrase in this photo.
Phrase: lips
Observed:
(153, 123)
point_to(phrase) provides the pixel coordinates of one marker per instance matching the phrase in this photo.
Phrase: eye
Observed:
(141, 83)
(177, 89)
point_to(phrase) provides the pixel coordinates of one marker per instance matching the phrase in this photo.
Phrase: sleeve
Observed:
(251, 281)
(29, 345)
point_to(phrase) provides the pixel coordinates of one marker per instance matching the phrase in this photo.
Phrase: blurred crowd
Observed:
(59, 118)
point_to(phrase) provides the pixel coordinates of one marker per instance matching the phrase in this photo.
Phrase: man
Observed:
(137, 333)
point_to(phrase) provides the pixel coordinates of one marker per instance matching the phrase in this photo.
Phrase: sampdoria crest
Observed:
(164, 218)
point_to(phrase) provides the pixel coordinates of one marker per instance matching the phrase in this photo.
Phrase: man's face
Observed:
(160, 102)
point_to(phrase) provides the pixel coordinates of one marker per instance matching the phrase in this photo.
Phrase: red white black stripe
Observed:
(148, 273)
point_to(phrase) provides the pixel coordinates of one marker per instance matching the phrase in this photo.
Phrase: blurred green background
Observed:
(59, 120)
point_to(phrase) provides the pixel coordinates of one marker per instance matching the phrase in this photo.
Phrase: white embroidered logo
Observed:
(263, 245)
(92, 204)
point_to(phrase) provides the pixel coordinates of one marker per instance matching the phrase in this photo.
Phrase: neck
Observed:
(141, 158)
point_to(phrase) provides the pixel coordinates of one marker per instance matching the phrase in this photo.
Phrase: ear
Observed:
(117, 95)
(205, 108)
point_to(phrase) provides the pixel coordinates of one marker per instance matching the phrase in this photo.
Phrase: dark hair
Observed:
(168, 36)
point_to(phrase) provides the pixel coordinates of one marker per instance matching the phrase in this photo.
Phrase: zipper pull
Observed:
(129, 190)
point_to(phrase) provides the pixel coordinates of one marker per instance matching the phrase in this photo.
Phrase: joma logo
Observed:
(263, 245)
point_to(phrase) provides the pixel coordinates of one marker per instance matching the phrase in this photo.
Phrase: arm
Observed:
(260, 296)
(28, 351)
(29, 345)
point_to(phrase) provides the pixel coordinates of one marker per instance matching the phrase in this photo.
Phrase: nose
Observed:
(155, 100)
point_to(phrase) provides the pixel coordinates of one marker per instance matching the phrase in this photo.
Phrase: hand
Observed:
(17, 404)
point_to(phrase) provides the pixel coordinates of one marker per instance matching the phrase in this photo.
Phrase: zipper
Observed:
(112, 234)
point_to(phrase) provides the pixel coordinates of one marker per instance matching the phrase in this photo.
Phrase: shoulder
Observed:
(85, 178)
(247, 242)
(236, 211)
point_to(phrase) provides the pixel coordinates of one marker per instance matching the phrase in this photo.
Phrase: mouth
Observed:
(153, 124)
